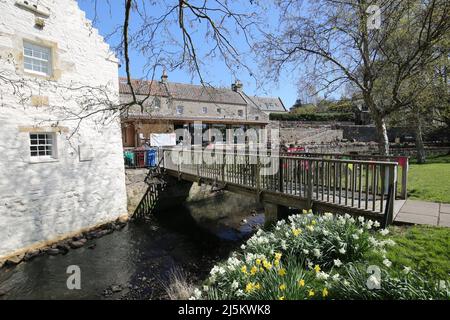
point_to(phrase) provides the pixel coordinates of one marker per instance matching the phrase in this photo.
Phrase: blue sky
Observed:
(215, 71)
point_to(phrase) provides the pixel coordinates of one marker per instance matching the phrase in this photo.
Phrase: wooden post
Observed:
(309, 184)
(223, 170)
(179, 165)
(405, 168)
(280, 172)
(389, 211)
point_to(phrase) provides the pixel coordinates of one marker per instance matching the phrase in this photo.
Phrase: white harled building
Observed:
(61, 165)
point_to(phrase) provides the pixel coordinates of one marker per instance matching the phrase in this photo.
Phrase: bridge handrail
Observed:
(350, 161)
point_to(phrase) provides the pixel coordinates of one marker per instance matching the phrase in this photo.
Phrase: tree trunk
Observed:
(380, 124)
(421, 157)
(383, 141)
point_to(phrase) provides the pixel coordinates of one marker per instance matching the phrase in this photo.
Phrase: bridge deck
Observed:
(353, 186)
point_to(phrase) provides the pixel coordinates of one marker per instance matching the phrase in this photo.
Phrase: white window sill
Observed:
(43, 160)
(36, 73)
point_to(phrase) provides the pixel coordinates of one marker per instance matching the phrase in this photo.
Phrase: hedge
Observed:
(335, 116)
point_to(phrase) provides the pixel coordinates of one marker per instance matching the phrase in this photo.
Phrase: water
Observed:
(137, 260)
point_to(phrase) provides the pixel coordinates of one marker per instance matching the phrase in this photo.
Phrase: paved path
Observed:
(422, 212)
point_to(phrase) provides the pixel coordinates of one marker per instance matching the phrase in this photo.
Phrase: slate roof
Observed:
(268, 104)
(154, 88)
(182, 91)
(191, 92)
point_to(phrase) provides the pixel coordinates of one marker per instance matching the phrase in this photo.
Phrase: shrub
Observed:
(315, 257)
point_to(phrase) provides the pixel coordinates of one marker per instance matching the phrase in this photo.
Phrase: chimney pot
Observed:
(164, 76)
(237, 86)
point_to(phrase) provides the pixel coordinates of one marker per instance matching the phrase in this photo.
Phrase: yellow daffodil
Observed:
(310, 228)
(317, 268)
(313, 222)
(276, 263)
(324, 292)
(305, 211)
(311, 293)
(310, 211)
(282, 272)
(244, 269)
(281, 298)
(301, 283)
(282, 287)
(267, 265)
(253, 270)
(251, 286)
(258, 262)
(261, 269)
(296, 232)
(277, 256)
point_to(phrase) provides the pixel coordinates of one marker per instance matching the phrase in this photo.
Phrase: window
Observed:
(204, 110)
(180, 109)
(157, 103)
(37, 59)
(256, 118)
(219, 110)
(240, 113)
(42, 145)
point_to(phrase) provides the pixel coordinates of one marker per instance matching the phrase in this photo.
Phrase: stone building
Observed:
(170, 106)
(58, 175)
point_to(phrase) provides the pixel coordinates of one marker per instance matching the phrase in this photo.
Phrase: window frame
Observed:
(179, 110)
(240, 113)
(49, 61)
(44, 137)
(204, 110)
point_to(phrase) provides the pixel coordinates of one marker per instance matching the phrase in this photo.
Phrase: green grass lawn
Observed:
(424, 248)
(430, 181)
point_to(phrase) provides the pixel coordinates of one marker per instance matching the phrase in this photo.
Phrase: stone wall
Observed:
(136, 187)
(369, 133)
(343, 147)
(82, 184)
(307, 132)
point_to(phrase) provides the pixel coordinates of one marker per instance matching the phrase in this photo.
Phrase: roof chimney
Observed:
(237, 86)
(164, 76)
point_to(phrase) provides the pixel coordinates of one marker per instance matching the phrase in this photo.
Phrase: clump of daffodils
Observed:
(306, 256)
(319, 239)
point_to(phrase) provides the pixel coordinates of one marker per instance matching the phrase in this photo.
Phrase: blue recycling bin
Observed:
(151, 157)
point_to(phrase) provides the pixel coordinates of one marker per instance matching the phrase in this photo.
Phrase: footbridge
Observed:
(366, 186)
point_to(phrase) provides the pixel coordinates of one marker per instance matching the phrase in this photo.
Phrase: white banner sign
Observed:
(163, 139)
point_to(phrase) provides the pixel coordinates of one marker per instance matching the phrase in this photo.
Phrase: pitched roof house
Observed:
(171, 105)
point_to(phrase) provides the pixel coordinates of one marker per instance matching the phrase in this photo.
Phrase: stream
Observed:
(133, 263)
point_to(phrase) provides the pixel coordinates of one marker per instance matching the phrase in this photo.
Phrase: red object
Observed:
(304, 164)
(402, 161)
(296, 149)
(140, 158)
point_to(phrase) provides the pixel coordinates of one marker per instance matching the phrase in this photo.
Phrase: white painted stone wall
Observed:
(42, 201)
